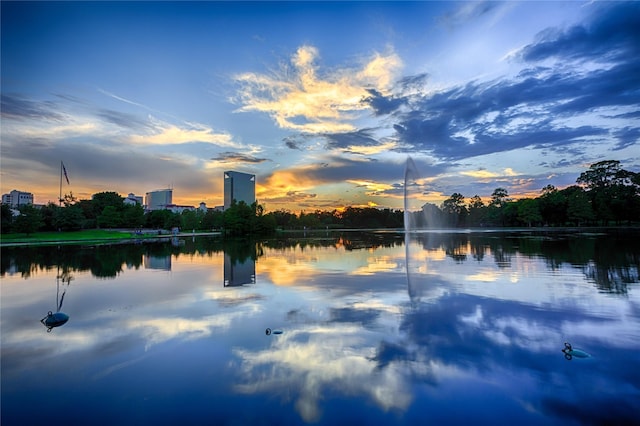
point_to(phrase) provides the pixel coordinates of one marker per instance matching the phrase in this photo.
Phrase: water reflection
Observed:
(237, 273)
(481, 328)
(58, 318)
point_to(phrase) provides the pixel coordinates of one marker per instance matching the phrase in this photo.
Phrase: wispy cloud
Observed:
(17, 107)
(235, 157)
(168, 133)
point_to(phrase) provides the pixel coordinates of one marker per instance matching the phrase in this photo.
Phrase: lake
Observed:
(365, 328)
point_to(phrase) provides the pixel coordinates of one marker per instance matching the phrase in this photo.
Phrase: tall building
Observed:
(158, 200)
(240, 187)
(17, 198)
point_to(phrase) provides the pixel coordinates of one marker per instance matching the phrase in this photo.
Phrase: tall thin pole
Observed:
(60, 197)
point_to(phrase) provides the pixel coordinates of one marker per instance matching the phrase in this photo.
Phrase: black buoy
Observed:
(54, 320)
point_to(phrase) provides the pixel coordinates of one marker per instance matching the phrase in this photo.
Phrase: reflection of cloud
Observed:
(158, 330)
(317, 358)
(377, 264)
(483, 276)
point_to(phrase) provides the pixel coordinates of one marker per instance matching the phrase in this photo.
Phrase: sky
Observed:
(323, 101)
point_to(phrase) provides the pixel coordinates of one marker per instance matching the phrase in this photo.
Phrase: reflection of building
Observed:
(236, 274)
(17, 198)
(159, 200)
(240, 187)
(157, 262)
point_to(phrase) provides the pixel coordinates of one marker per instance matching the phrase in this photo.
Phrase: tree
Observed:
(7, 219)
(237, 218)
(29, 220)
(49, 213)
(190, 220)
(476, 210)
(157, 218)
(528, 211)
(212, 219)
(68, 218)
(553, 206)
(133, 216)
(101, 200)
(110, 218)
(455, 209)
(579, 208)
(499, 197)
(496, 213)
(69, 199)
(602, 174)
(612, 190)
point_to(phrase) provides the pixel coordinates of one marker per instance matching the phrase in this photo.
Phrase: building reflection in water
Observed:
(237, 273)
(157, 262)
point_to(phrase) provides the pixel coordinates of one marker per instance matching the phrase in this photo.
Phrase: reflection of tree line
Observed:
(612, 260)
(107, 261)
(103, 261)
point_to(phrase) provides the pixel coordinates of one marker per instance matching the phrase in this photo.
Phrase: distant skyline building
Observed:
(240, 187)
(17, 198)
(133, 199)
(159, 200)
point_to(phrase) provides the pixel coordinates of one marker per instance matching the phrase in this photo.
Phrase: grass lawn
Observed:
(61, 237)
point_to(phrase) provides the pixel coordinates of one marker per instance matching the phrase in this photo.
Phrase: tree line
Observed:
(605, 194)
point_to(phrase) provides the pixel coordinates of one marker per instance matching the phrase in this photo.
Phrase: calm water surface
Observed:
(448, 328)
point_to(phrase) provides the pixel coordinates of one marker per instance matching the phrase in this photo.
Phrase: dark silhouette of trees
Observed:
(28, 221)
(7, 219)
(606, 195)
(455, 210)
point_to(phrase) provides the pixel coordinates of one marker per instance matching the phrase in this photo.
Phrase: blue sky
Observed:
(322, 101)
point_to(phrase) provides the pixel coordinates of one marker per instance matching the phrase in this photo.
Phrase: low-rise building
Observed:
(133, 199)
(17, 198)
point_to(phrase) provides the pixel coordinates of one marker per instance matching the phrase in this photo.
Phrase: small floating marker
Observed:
(54, 320)
(570, 353)
(268, 331)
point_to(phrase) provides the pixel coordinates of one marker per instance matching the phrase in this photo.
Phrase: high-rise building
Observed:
(158, 200)
(240, 187)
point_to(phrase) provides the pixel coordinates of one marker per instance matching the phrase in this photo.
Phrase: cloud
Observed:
(382, 104)
(528, 110)
(566, 106)
(235, 157)
(468, 11)
(167, 134)
(16, 107)
(301, 97)
(361, 142)
(612, 35)
(627, 136)
(122, 119)
(486, 174)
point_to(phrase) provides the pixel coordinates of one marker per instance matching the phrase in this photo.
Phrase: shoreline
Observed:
(126, 237)
(122, 236)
